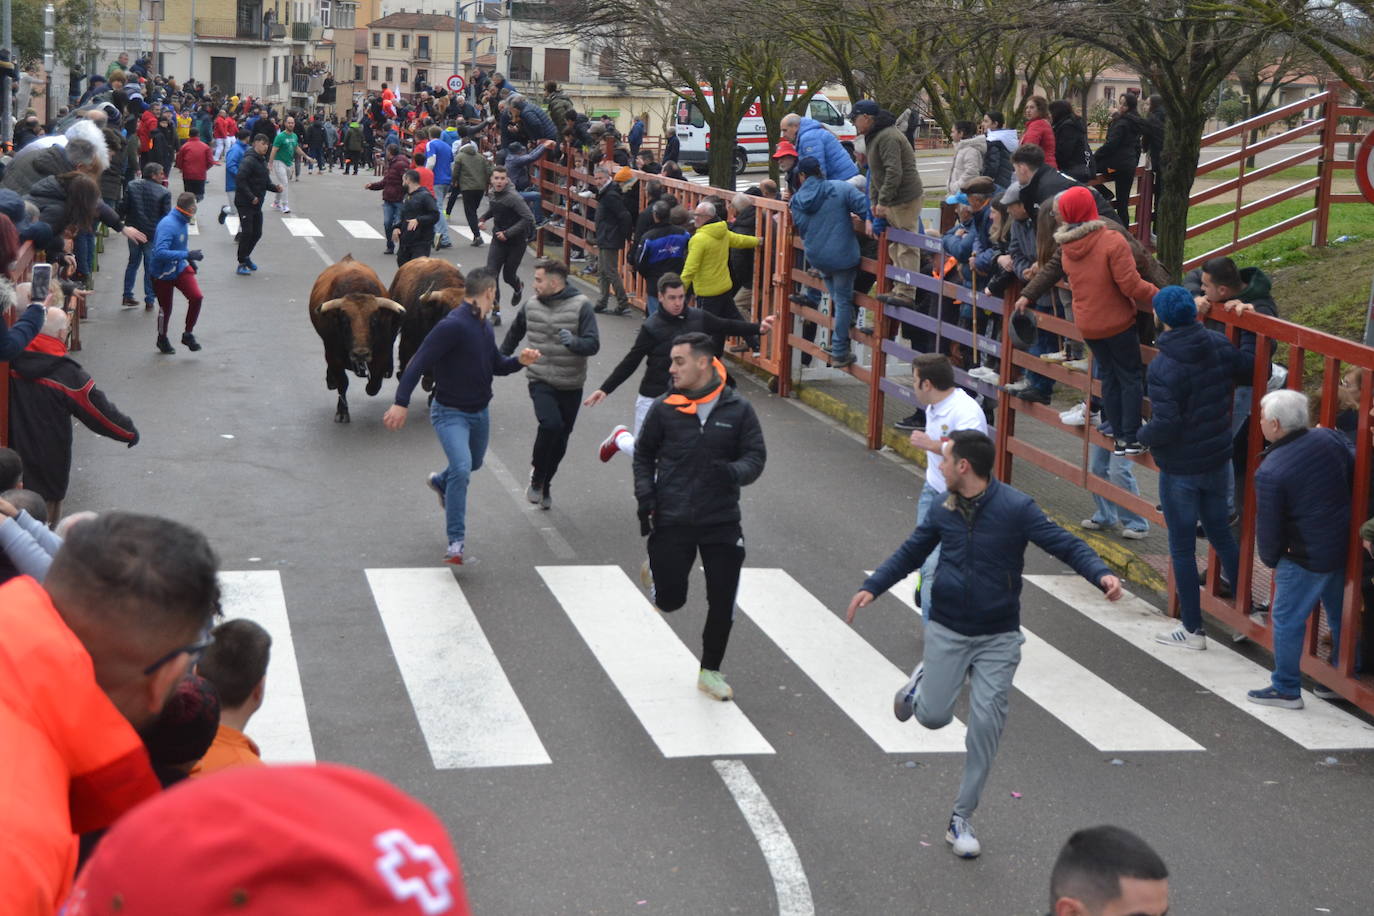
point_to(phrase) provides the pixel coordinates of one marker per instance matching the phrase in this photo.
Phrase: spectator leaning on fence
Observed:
(1189, 432)
(811, 138)
(894, 187)
(1302, 494)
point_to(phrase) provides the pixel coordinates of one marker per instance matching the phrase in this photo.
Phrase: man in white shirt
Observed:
(947, 408)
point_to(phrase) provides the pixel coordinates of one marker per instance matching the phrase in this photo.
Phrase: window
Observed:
(374, 74)
(606, 63)
(376, 39)
(687, 113)
(557, 64)
(521, 61)
(345, 15)
(325, 13)
(405, 42)
(824, 112)
(422, 47)
(357, 73)
(471, 41)
(405, 74)
(276, 62)
(1109, 93)
(388, 74)
(391, 39)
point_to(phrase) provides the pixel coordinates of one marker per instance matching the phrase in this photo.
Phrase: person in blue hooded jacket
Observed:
(823, 211)
(812, 138)
(171, 268)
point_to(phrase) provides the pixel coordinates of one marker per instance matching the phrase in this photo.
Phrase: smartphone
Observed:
(40, 282)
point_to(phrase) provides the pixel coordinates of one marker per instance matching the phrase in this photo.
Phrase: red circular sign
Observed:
(455, 83)
(1364, 167)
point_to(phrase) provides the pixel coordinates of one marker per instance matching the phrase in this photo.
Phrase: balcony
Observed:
(306, 31)
(420, 54)
(236, 30)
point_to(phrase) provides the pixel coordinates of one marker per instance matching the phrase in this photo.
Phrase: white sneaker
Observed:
(1075, 416)
(1058, 356)
(961, 839)
(1077, 365)
(984, 374)
(1093, 524)
(1134, 534)
(1181, 638)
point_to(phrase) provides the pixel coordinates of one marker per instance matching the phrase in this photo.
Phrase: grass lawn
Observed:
(1295, 174)
(1291, 247)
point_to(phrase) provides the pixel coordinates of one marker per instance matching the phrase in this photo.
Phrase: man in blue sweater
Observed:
(974, 626)
(461, 352)
(439, 160)
(823, 213)
(170, 265)
(1302, 494)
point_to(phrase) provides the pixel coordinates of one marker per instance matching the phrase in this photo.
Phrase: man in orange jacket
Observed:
(86, 659)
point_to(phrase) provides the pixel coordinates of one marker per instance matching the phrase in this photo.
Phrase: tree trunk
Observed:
(720, 158)
(1182, 145)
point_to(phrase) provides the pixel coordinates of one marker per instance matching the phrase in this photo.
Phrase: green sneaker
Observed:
(714, 686)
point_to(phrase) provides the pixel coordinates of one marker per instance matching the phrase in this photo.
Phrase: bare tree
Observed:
(1075, 69)
(787, 79)
(1339, 32)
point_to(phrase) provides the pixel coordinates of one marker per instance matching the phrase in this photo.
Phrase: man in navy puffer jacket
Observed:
(982, 529)
(1302, 494)
(1190, 385)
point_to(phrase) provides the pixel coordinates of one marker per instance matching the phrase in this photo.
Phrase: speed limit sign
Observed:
(455, 83)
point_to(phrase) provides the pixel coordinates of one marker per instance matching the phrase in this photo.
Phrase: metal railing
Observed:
(229, 29)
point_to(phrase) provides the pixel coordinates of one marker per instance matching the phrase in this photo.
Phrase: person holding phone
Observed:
(16, 338)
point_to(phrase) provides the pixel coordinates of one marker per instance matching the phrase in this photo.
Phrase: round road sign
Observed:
(455, 83)
(1364, 167)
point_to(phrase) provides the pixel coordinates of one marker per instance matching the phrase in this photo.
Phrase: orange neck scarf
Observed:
(688, 405)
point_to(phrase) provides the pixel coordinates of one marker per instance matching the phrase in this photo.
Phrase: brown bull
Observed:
(357, 323)
(429, 288)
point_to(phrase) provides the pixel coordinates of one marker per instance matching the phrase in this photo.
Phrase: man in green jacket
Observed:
(894, 186)
(471, 175)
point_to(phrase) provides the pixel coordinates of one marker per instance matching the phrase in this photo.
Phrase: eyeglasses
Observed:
(196, 649)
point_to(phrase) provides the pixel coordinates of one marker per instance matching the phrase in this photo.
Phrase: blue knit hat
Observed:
(1175, 307)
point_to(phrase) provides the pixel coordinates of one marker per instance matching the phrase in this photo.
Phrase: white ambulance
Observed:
(751, 139)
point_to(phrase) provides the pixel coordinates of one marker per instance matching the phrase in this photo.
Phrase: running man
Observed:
(513, 224)
(170, 265)
(710, 438)
(653, 345)
(284, 151)
(973, 629)
(461, 352)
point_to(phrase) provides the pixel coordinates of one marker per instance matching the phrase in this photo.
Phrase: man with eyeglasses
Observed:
(89, 658)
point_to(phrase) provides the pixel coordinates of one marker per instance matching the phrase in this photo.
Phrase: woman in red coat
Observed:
(1038, 129)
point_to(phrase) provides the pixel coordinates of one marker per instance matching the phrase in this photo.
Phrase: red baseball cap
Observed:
(271, 840)
(785, 148)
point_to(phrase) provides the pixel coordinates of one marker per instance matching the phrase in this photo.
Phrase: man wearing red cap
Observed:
(301, 839)
(90, 656)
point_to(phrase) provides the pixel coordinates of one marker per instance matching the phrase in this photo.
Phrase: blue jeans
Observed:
(1045, 342)
(535, 202)
(1186, 499)
(840, 285)
(1117, 470)
(1296, 592)
(1123, 382)
(463, 436)
(650, 304)
(83, 248)
(139, 254)
(391, 217)
(441, 229)
(929, 497)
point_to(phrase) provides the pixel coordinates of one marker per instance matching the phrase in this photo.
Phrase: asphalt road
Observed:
(640, 808)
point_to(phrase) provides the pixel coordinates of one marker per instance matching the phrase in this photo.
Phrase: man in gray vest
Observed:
(562, 326)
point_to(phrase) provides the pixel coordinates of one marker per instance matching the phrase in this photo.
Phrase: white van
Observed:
(751, 139)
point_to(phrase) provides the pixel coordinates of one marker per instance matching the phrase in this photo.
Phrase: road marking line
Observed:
(1220, 669)
(464, 231)
(281, 727)
(789, 878)
(533, 514)
(649, 665)
(856, 676)
(319, 250)
(466, 707)
(1105, 717)
(359, 229)
(301, 227)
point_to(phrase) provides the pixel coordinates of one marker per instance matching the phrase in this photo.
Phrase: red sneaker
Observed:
(454, 559)
(608, 446)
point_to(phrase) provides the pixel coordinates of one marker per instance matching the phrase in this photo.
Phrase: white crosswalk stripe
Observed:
(1103, 716)
(467, 709)
(360, 229)
(1226, 673)
(851, 672)
(301, 227)
(649, 665)
(280, 728)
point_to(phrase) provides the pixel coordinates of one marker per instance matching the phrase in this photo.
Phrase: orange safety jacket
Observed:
(70, 762)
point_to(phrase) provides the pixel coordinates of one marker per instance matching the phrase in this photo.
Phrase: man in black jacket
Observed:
(660, 250)
(1041, 183)
(250, 190)
(613, 224)
(512, 224)
(414, 232)
(653, 346)
(145, 204)
(699, 445)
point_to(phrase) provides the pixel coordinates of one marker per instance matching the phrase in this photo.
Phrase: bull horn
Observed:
(331, 305)
(391, 304)
(429, 296)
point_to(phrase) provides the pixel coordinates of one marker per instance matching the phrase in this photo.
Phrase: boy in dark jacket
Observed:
(697, 447)
(512, 225)
(1190, 386)
(414, 232)
(250, 192)
(393, 191)
(974, 628)
(147, 201)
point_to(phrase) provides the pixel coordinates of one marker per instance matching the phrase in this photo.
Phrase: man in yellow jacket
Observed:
(707, 271)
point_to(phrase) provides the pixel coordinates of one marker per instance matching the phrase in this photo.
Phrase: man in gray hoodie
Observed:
(561, 325)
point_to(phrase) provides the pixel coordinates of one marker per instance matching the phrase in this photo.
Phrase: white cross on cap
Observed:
(430, 892)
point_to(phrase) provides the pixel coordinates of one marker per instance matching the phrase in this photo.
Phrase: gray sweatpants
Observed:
(990, 662)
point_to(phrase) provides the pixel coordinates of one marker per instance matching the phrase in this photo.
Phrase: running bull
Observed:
(358, 324)
(428, 288)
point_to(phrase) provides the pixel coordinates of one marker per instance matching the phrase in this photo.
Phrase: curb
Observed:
(1123, 561)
